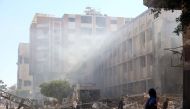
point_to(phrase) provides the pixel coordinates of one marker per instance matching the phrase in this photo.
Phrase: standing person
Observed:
(7, 104)
(78, 104)
(74, 104)
(151, 103)
(120, 106)
(165, 104)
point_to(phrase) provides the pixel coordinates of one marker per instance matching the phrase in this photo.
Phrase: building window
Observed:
(150, 59)
(27, 83)
(26, 60)
(149, 34)
(159, 40)
(156, 15)
(124, 67)
(57, 30)
(71, 25)
(113, 21)
(100, 30)
(86, 19)
(101, 21)
(71, 19)
(129, 46)
(142, 39)
(130, 66)
(19, 83)
(124, 47)
(143, 61)
(173, 42)
(86, 30)
(19, 59)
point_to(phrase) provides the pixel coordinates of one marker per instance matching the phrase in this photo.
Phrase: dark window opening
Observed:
(71, 19)
(27, 83)
(86, 19)
(143, 61)
(142, 39)
(101, 21)
(113, 21)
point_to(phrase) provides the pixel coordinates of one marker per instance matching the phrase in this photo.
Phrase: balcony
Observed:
(171, 4)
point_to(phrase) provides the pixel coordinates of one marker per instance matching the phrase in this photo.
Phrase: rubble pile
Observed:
(138, 102)
(174, 102)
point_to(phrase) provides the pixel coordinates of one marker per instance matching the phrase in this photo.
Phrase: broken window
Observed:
(125, 67)
(86, 19)
(101, 21)
(71, 19)
(100, 30)
(143, 61)
(19, 84)
(149, 59)
(19, 59)
(27, 83)
(159, 39)
(129, 46)
(113, 21)
(26, 60)
(142, 39)
(124, 46)
(86, 30)
(130, 66)
(149, 34)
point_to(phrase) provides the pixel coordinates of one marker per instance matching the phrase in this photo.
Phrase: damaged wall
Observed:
(134, 59)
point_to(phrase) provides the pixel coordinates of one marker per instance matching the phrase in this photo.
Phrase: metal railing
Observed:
(23, 102)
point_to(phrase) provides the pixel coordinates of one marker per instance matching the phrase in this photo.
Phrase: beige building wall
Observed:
(135, 58)
(24, 79)
(57, 44)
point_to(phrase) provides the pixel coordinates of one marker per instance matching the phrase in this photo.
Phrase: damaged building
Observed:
(56, 43)
(141, 55)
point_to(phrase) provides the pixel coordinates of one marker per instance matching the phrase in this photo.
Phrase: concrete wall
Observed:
(24, 79)
(53, 43)
(135, 60)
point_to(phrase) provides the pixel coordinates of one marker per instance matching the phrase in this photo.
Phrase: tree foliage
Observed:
(3, 86)
(58, 89)
(183, 19)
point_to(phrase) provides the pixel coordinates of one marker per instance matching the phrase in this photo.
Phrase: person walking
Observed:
(121, 103)
(165, 104)
(74, 104)
(151, 102)
(7, 104)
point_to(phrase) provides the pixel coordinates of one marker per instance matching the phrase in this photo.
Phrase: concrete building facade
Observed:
(24, 79)
(51, 37)
(135, 58)
(45, 37)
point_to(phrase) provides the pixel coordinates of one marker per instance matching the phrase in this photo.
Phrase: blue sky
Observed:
(16, 17)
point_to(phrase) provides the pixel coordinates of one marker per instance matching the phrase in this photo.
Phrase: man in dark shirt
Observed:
(152, 101)
(121, 103)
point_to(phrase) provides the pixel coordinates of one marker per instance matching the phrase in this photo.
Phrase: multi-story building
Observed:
(53, 42)
(24, 79)
(135, 58)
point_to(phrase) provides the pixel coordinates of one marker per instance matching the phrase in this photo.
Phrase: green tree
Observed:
(58, 89)
(3, 86)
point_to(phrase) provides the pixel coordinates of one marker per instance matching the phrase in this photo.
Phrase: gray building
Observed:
(45, 35)
(59, 43)
(134, 59)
